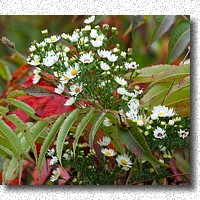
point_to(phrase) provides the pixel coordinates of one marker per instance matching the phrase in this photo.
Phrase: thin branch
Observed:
(183, 174)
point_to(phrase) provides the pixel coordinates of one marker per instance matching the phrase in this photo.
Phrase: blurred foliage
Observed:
(22, 30)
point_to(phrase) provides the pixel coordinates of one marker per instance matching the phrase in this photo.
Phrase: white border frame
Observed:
(118, 7)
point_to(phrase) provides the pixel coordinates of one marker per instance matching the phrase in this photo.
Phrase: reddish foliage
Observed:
(45, 106)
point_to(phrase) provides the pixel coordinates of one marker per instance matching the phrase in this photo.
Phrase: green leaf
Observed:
(5, 167)
(95, 127)
(36, 130)
(16, 93)
(162, 25)
(155, 95)
(3, 110)
(5, 72)
(179, 40)
(16, 121)
(12, 170)
(49, 139)
(10, 136)
(5, 152)
(62, 134)
(178, 97)
(137, 21)
(23, 106)
(147, 74)
(35, 90)
(175, 73)
(184, 83)
(137, 144)
(31, 141)
(81, 127)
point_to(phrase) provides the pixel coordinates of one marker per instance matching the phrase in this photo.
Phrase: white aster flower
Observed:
(159, 133)
(73, 71)
(121, 91)
(65, 36)
(36, 76)
(106, 122)
(50, 59)
(52, 39)
(138, 91)
(134, 104)
(104, 53)
(124, 161)
(105, 141)
(163, 111)
(183, 134)
(112, 57)
(108, 152)
(89, 20)
(140, 120)
(86, 28)
(115, 50)
(65, 77)
(70, 101)
(98, 41)
(74, 37)
(121, 81)
(55, 176)
(104, 66)
(93, 33)
(131, 114)
(44, 31)
(83, 40)
(50, 152)
(86, 58)
(132, 65)
(32, 48)
(75, 89)
(131, 94)
(60, 89)
(66, 156)
(53, 160)
(42, 44)
(35, 60)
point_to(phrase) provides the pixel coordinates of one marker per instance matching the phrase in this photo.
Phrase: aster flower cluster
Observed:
(165, 130)
(88, 65)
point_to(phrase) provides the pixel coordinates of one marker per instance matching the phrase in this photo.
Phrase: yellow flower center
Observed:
(53, 39)
(81, 41)
(56, 174)
(77, 90)
(36, 62)
(123, 162)
(98, 39)
(161, 113)
(108, 153)
(74, 72)
(66, 78)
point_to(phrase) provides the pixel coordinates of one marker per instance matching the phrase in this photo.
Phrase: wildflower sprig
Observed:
(89, 66)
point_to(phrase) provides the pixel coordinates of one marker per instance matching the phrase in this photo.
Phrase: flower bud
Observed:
(97, 27)
(114, 29)
(171, 122)
(146, 133)
(162, 123)
(123, 54)
(151, 170)
(105, 26)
